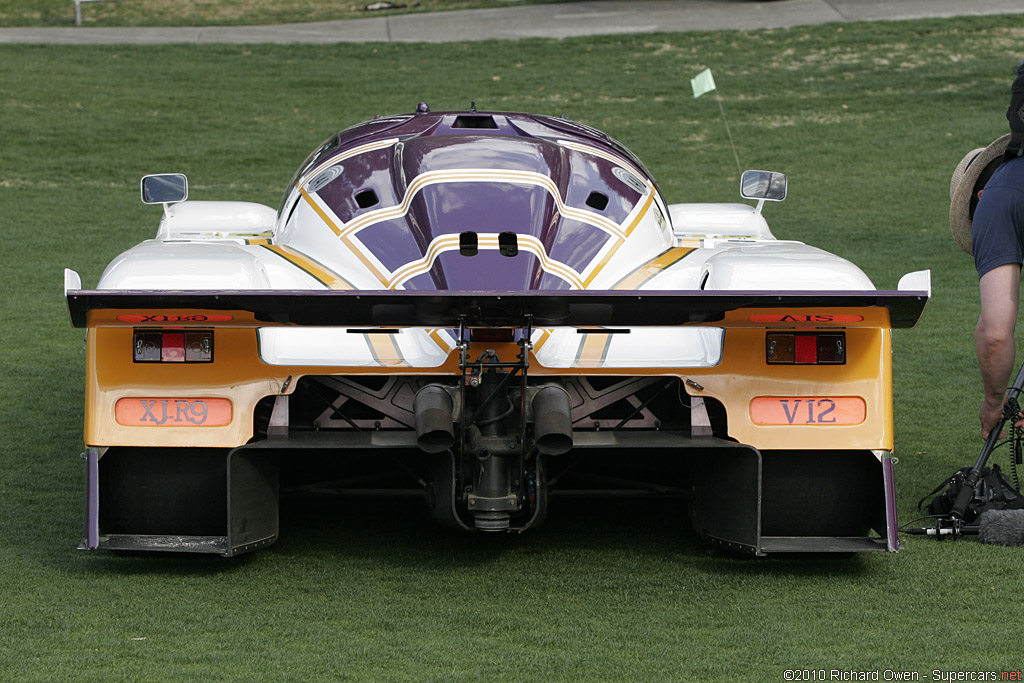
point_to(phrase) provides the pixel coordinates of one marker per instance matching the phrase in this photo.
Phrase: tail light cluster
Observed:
(806, 348)
(162, 346)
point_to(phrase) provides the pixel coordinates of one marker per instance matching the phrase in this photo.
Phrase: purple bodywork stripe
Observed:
(891, 522)
(92, 499)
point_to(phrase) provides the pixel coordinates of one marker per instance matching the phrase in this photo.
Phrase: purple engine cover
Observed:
(478, 154)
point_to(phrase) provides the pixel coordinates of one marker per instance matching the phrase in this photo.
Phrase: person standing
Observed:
(987, 220)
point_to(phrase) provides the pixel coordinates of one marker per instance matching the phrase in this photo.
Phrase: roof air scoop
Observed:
(478, 121)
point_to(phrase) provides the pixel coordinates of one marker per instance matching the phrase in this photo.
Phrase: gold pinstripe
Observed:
(545, 335)
(344, 240)
(611, 252)
(481, 175)
(333, 161)
(314, 268)
(484, 241)
(641, 274)
(586, 149)
(439, 340)
(384, 349)
(346, 231)
(320, 212)
(593, 349)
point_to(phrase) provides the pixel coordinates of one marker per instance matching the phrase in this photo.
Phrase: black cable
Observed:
(508, 411)
(483, 404)
(1015, 457)
(679, 395)
(906, 524)
(1012, 413)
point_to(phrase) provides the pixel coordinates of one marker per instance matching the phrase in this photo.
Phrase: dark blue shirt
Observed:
(997, 232)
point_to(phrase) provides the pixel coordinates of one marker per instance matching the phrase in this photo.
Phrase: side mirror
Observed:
(164, 188)
(763, 186)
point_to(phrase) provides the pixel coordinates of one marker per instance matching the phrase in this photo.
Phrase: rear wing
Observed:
(901, 308)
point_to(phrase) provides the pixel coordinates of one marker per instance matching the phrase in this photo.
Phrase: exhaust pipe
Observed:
(432, 408)
(552, 422)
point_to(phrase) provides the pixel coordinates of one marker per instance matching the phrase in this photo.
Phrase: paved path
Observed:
(510, 21)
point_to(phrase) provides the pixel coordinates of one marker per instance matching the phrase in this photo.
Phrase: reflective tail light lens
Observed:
(495, 334)
(173, 347)
(805, 348)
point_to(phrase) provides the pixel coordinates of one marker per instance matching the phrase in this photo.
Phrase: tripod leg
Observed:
(963, 499)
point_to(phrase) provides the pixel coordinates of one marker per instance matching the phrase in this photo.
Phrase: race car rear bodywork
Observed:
(488, 310)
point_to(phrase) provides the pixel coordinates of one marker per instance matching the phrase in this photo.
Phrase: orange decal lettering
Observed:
(805, 318)
(160, 318)
(173, 412)
(808, 410)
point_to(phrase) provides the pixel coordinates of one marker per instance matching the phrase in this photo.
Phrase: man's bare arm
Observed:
(993, 339)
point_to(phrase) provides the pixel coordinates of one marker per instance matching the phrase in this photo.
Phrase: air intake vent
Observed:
(475, 121)
(598, 201)
(508, 243)
(366, 199)
(467, 243)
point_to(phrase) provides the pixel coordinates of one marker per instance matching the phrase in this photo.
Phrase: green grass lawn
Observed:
(868, 121)
(221, 12)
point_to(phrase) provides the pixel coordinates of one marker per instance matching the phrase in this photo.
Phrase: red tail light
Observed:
(805, 348)
(173, 347)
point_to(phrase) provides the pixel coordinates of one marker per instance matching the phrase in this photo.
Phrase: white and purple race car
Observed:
(487, 310)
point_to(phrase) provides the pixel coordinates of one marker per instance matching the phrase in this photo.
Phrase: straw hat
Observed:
(962, 188)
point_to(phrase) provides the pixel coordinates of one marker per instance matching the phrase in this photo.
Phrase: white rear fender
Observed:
(782, 266)
(185, 265)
